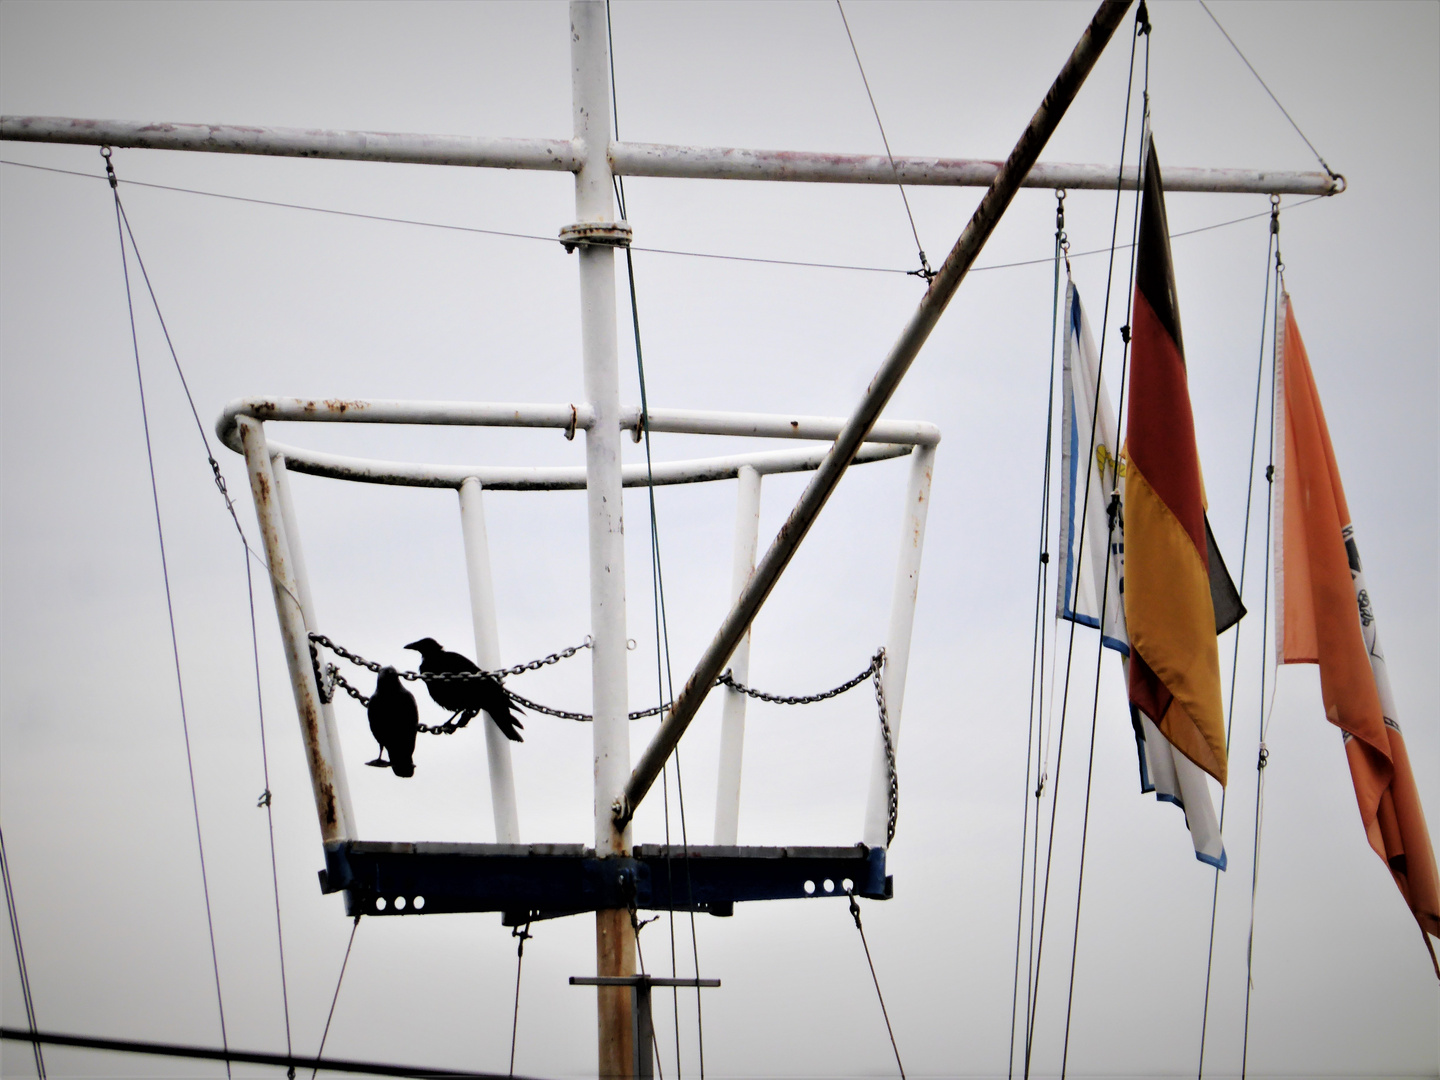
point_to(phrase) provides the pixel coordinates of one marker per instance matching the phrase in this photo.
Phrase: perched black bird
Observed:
(394, 720)
(466, 697)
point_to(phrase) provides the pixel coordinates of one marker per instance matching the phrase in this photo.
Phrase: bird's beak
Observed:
(414, 645)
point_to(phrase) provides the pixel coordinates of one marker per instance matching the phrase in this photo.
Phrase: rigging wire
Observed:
(523, 933)
(1142, 28)
(636, 925)
(1267, 710)
(205, 1053)
(1329, 171)
(1037, 646)
(169, 604)
(855, 914)
(338, 983)
(1142, 18)
(20, 958)
(648, 250)
(664, 677)
(266, 799)
(924, 272)
(1273, 239)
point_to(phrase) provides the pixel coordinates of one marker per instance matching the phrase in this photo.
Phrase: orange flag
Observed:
(1325, 617)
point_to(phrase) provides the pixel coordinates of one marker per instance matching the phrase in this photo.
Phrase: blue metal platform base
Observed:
(528, 882)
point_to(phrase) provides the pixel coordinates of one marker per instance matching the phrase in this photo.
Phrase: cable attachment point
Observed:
(1269, 474)
(1059, 212)
(1142, 20)
(523, 933)
(1264, 757)
(1125, 333)
(924, 271)
(105, 153)
(854, 909)
(264, 799)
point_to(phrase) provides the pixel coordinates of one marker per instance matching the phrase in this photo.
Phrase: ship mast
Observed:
(595, 158)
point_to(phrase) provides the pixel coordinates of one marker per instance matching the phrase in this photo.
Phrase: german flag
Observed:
(1178, 594)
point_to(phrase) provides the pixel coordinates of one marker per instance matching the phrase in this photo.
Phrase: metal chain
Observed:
(584, 718)
(729, 680)
(451, 676)
(893, 796)
(873, 672)
(329, 677)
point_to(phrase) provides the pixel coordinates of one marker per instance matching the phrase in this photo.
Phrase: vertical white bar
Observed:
(610, 733)
(594, 201)
(307, 607)
(897, 642)
(732, 722)
(319, 756)
(487, 655)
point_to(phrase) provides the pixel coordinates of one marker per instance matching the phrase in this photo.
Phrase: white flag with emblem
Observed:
(1092, 564)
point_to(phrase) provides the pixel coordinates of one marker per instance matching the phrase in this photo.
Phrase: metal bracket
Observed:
(612, 234)
(529, 882)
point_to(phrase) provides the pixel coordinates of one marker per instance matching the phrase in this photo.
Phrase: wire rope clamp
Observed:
(612, 234)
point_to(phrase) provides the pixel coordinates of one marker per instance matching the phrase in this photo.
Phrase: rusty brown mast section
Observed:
(947, 280)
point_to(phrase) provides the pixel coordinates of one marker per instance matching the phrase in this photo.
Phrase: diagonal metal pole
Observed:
(987, 215)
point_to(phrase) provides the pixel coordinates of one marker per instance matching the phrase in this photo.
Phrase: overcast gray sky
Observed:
(261, 300)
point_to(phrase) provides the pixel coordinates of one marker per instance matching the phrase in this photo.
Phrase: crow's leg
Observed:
(380, 762)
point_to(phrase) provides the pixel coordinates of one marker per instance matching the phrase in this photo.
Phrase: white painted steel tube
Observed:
(732, 717)
(563, 477)
(319, 754)
(897, 639)
(557, 155)
(594, 202)
(565, 416)
(730, 163)
(778, 426)
(634, 159)
(360, 411)
(301, 578)
(902, 354)
(615, 944)
(487, 655)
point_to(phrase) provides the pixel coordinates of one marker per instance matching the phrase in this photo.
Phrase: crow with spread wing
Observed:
(466, 697)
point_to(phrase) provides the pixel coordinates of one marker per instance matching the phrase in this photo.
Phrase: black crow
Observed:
(394, 720)
(466, 697)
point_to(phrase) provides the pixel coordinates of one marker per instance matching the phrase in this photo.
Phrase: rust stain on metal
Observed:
(320, 771)
(339, 405)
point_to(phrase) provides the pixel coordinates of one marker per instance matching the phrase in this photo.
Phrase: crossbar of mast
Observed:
(636, 159)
